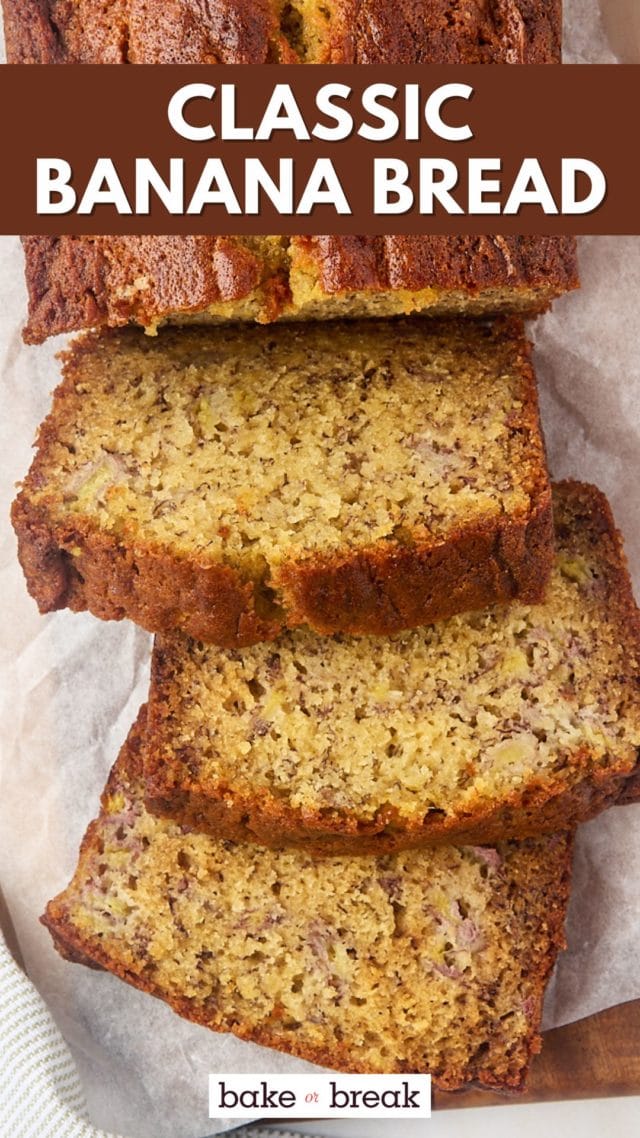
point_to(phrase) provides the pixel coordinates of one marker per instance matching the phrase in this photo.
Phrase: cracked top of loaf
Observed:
(84, 282)
(272, 31)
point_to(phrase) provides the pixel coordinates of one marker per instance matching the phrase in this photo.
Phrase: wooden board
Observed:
(597, 1057)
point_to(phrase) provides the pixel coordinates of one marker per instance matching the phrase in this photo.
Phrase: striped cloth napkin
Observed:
(40, 1091)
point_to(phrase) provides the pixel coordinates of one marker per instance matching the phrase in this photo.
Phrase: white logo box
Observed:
(319, 1096)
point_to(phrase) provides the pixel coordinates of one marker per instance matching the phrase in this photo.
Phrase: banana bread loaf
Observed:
(513, 722)
(84, 282)
(278, 31)
(356, 477)
(422, 961)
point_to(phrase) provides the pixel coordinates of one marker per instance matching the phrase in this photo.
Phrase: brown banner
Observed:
(532, 131)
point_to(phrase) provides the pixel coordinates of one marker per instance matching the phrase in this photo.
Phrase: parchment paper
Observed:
(71, 687)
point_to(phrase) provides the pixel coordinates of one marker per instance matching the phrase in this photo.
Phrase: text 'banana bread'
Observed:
(79, 282)
(358, 477)
(507, 723)
(422, 961)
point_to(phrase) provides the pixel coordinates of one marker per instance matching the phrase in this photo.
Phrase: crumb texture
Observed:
(423, 961)
(428, 730)
(322, 465)
(240, 442)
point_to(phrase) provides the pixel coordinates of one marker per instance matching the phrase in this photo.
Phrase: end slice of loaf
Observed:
(512, 722)
(358, 477)
(77, 283)
(424, 961)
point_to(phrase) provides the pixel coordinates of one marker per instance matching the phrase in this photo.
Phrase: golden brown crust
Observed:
(391, 587)
(540, 807)
(143, 31)
(419, 261)
(376, 591)
(263, 31)
(631, 790)
(83, 282)
(379, 589)
(145, 584)
(438, 31)
(35, 32)
(263, 818)
(547, 890)
(87, 282)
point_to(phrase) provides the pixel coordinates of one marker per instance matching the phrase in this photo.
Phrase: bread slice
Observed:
(85, 282)
(357, 477)
(422, 961)
(509, 723)
(274, 31)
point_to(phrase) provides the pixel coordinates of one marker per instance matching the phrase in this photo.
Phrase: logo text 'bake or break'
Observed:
(319, 1096)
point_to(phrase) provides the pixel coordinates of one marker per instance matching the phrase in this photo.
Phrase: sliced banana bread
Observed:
(85, 282)
(422, 961)
(232, 482)
(513, 722)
